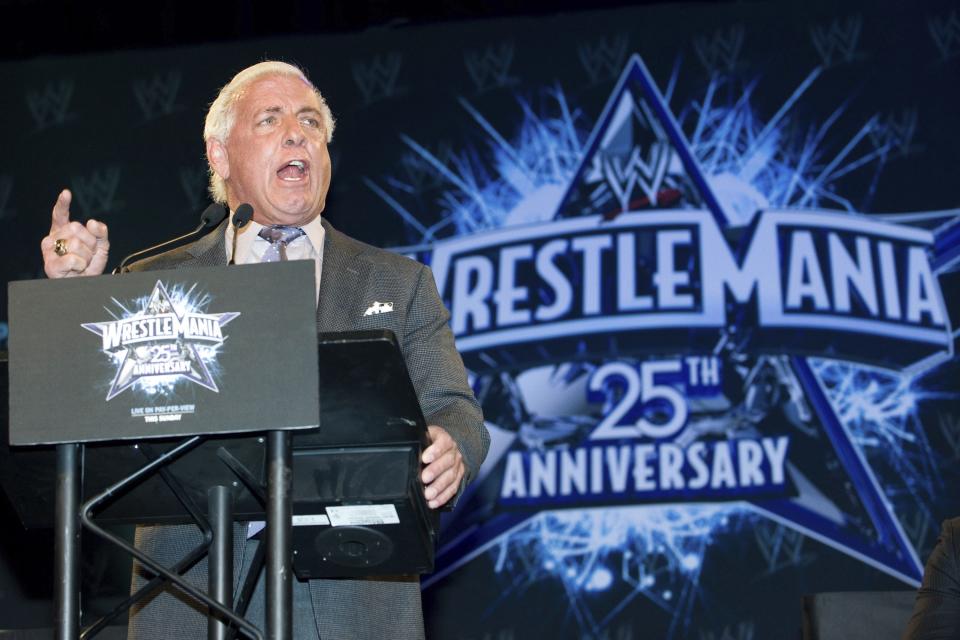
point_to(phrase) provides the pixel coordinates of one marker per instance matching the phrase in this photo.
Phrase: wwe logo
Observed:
(895, 132)
(490, 68)
(603, 58)
(623, 179)
(95, 193)
(6, 188)
(193, 181)
(421, 175)
(950, 428)
(742, 631)
(720, 51)
(51, 107)
(377, 79)
(157, 96)
(837, 42)
(945, 32)
(781, 547)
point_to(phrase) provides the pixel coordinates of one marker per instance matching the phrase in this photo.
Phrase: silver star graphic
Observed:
(167, 354)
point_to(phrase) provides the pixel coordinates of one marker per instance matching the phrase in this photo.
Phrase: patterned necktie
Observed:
(279, 237)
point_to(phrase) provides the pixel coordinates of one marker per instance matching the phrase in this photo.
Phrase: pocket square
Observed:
(378, 307)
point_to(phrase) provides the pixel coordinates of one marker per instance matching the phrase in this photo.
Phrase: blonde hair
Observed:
(220, 116)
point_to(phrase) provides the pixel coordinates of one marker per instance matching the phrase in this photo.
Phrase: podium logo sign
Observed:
(168, 340)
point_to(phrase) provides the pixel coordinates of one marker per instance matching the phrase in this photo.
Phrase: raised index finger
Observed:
(61, 211)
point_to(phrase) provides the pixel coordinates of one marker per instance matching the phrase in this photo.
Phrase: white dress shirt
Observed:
(251, 247)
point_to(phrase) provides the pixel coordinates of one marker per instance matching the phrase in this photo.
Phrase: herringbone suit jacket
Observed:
(354, 276)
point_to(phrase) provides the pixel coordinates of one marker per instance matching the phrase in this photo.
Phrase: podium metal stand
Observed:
(370, 414)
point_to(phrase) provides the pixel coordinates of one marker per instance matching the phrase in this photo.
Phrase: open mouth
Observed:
(293, 171)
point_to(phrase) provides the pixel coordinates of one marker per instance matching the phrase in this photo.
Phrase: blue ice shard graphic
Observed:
(636, 159)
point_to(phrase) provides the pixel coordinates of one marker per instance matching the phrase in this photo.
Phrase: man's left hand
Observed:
(444, 471)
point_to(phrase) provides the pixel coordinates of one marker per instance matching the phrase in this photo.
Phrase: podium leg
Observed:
(220, 574)
(66, 545)
(279, 534)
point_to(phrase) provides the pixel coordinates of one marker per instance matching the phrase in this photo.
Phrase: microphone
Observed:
(241, 217)
(210, 218)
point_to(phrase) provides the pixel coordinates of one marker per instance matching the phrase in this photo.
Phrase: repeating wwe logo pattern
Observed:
(6, 188)
(96, 193)
(945, 32)
(837, 42)
(721, 50)
(193, 181)
(157, 96)
(740, 631)
(489, 68)
(894, 133)
(420, 174)
(781, 547)
(603, 59)
(377, 78)
(50, 107)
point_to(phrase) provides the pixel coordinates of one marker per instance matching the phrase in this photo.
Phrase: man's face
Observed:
(275, 157)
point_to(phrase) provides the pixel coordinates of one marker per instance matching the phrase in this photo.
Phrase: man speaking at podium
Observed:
(266, 138)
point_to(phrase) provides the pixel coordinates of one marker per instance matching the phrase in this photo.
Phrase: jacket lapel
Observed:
(342, 282)
(209, 250)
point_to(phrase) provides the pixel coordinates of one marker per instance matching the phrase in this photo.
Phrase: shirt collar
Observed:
(245, 239)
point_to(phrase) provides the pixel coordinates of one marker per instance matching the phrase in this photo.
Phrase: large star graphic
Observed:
(638, 158)
(164, 356)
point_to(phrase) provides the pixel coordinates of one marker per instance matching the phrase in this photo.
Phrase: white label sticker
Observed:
(308, 520)
(256, 526)
(363, 514)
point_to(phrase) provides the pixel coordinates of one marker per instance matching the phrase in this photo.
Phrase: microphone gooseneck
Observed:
(210, 218)
(241, 217)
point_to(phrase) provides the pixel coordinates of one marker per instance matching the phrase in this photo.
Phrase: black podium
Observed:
(204, 356)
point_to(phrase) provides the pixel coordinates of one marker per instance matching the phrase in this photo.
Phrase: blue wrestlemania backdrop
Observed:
(703, 265)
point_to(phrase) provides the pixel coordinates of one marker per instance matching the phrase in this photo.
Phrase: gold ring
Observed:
(60, 247)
